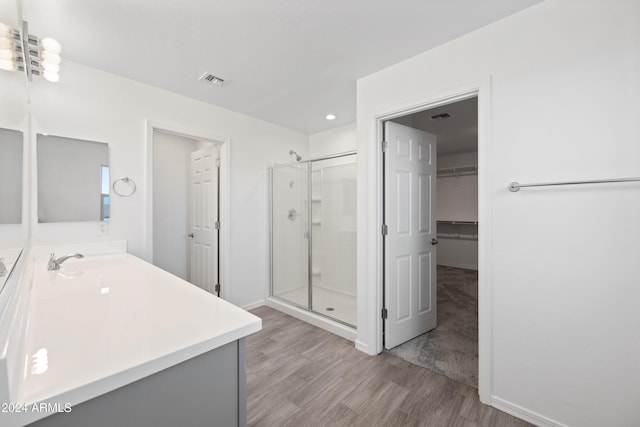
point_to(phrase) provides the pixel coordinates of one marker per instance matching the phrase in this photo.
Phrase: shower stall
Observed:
(313, 236)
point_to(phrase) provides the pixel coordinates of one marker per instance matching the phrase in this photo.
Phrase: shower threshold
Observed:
(337, 305)
(320, 320)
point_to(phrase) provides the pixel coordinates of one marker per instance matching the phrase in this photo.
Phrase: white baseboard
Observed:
(364, 348)
(253, 305)
(524, 414)
(315, 319)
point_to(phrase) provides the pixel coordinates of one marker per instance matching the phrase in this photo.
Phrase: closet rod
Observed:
(516, 186)
(457, 170)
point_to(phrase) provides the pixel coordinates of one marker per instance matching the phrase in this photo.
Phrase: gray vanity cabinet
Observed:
(207, 390)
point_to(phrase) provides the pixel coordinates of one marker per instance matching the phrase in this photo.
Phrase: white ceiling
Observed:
(289, 62)
(457, 133)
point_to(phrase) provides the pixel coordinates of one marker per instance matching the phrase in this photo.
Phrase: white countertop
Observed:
(105, 321)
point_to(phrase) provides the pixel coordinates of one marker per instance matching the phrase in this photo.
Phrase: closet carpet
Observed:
(302, 376)
(451, 349)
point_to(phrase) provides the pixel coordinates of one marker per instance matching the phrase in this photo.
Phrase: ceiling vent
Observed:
(211, 79)
(440, 116)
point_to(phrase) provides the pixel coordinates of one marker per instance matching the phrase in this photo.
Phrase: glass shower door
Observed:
(333, 232)
(289, 228)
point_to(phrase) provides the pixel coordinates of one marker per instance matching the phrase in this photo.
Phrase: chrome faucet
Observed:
(54, 264)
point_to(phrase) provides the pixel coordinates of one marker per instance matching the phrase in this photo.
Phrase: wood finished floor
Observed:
(300, 375)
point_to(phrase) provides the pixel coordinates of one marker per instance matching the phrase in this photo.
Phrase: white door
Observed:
(204, 218)
(410, 255)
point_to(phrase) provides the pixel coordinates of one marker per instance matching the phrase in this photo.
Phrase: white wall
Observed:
(90, 104)
(457, 196)
(457, 252)
(333, 141)
(171, 191)
(457, 159)
(334, 257)
(457, 200)
(334, 235)
(563, 278)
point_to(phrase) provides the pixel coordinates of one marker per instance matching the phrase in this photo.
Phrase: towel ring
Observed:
(126, 180)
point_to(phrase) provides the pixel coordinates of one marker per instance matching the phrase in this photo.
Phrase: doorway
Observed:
(186, 206)
(430, 243)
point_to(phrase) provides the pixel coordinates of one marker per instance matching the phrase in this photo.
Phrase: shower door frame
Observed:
(309, 163)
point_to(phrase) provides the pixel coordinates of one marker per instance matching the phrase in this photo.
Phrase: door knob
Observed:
(190, 235)
(434, 242)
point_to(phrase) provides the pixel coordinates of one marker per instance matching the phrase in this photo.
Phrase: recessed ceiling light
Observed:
(330, 117)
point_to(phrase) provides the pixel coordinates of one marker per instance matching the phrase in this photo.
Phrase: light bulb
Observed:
(7, 54)
(51, 58)
(47, 66)
(7, 64)
(51, 76)
(5, 30)
(330, 117)
(50, 45)
(5, 43)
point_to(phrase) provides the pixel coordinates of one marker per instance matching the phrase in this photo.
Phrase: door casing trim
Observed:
(225, 194)
(485, 253)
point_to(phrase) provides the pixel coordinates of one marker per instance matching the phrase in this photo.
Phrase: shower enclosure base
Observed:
(337, 305)
(322, 322)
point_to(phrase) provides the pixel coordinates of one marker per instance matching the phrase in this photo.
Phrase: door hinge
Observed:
(216, 225)
(385, 313)
(216, 288)
(217, 163)
(385, 146)
(385, 229)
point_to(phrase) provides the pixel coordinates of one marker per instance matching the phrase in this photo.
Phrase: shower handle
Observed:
(292, 214)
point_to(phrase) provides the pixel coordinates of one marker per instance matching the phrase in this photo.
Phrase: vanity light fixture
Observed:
(330, 117)
(21, 51)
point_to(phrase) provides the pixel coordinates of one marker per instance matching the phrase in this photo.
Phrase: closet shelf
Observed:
(458, 222)
(457, 171)
(457, 236)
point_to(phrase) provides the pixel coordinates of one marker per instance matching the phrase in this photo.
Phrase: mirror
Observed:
(73, 179)
(14, 112)
(11, 162)
(11, 148)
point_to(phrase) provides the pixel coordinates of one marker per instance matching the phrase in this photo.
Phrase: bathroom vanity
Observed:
(113, 340)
